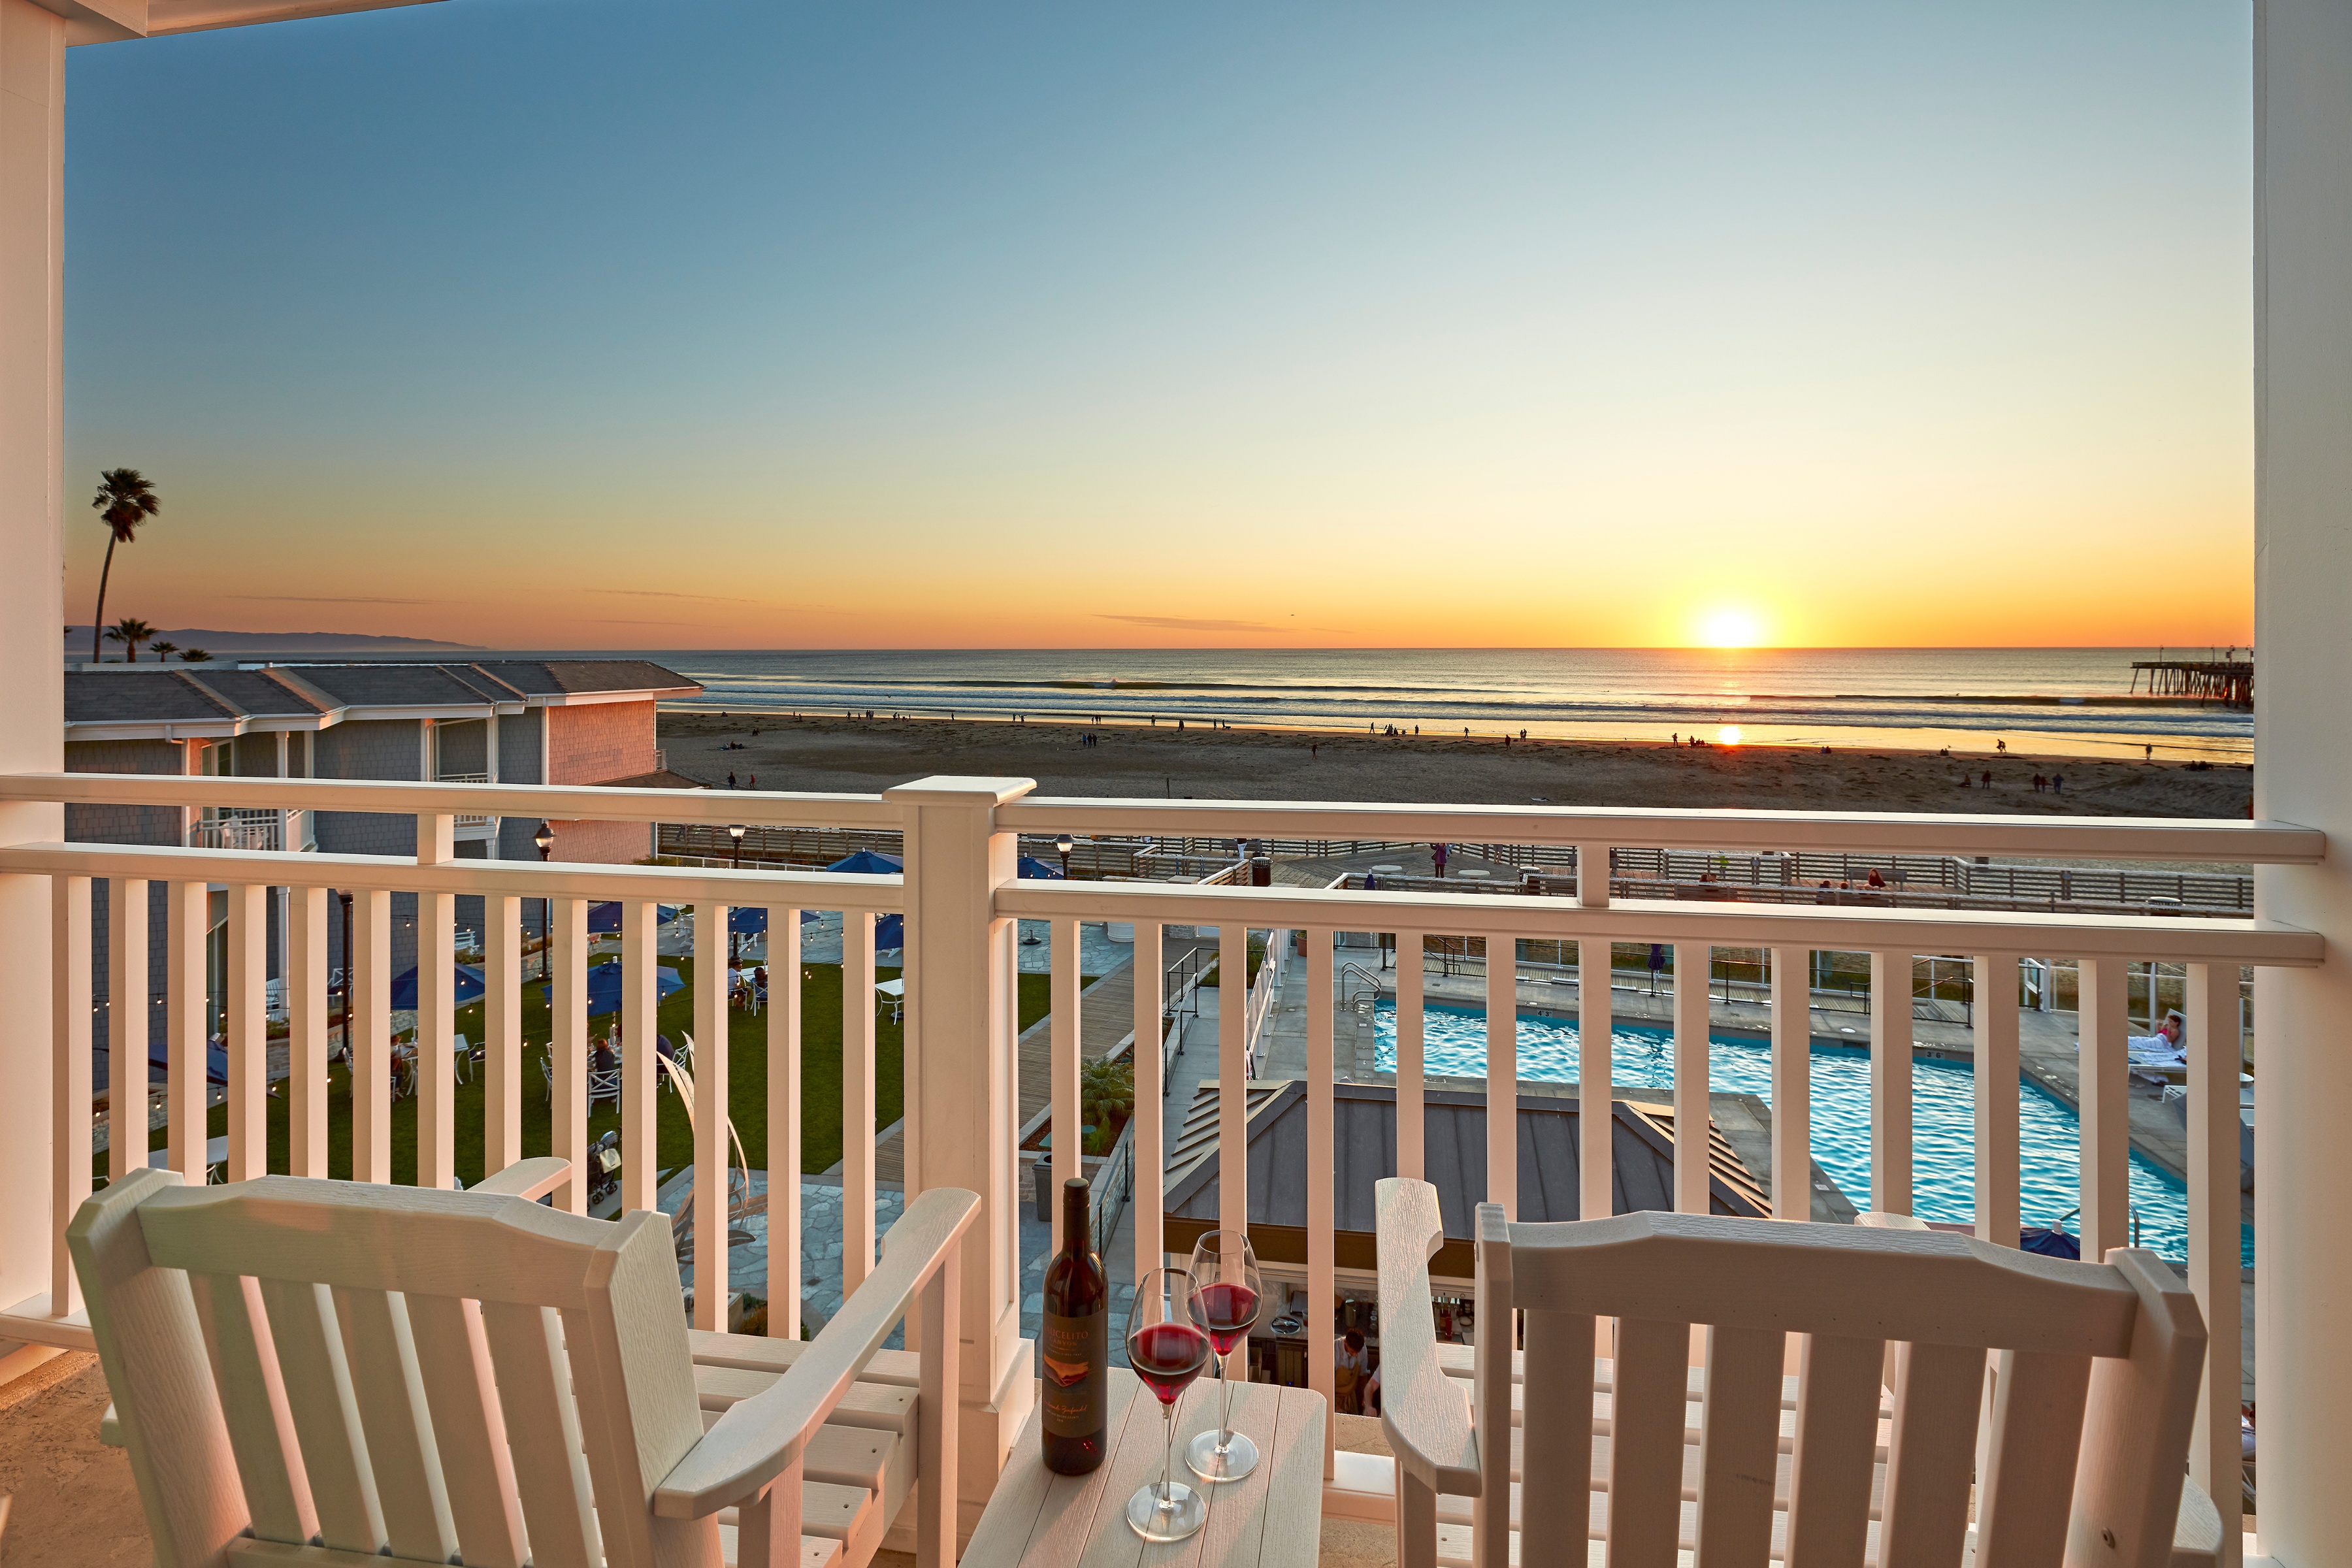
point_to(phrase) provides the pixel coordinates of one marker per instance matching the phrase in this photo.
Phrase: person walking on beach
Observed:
(730, 778)
(2058, 784)
(1437, 857)
(2150, 757)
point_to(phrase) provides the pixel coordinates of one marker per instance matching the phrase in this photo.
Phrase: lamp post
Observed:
(545, 840)
(734, 937)
(1062, 845)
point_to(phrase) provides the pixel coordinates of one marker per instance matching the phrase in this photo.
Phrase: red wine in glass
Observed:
(1227, 1301)
(1227, 1310)
(1167, 1349)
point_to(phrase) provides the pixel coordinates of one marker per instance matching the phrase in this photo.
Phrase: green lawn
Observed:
(747, 1084)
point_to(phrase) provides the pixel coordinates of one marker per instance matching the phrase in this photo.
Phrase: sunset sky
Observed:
(578, 323)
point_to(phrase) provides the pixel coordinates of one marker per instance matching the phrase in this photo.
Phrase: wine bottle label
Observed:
(1077, 1380)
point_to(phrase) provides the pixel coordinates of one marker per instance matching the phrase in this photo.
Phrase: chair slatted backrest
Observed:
(2084, 1377)
(430, 1376)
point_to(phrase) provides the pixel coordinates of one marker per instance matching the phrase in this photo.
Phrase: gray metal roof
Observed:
(152, 695)
(581, 677)
(214, 693)
(390, 685)
(249, 691)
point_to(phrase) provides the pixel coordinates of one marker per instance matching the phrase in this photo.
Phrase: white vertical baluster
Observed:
(2214, 1246)
(1412, 1108)
(306, 1031)
(245, 1029)
(437, 1038)
(1998, 1155)
(710, 1141)
(1890, 1082)
(1322, 1167)
(1596, 1175)
(368, 1036)
(70, 1128)
(567, 967)
(1502, 1075)
(1592, 876)
(640, 1064)
(1792, 1086)
(858, 1099)
(183, 1028)
(129, 1027)
(2104, 1091)
(1233, 1077)
(783, 1122)
(1692, 1126)
(502, 1088)
(1150, 1090)
(1063, 1067)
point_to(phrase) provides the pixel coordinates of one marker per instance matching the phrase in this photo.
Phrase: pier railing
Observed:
(960, 896)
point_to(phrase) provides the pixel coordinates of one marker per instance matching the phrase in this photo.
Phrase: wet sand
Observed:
(810, 753)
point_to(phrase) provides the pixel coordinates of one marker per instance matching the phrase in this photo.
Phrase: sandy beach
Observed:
(782, 752)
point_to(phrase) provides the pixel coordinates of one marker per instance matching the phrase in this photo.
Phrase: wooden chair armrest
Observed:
(526, 1178)
(758, 1438)
(1424, 1413)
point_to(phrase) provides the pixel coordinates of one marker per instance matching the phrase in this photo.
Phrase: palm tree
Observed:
(164, 650)
(124, 501)
(194, 655)
(130, 631)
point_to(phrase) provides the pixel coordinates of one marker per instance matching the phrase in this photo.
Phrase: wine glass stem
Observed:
(1225, 1401)
(1168, 1459)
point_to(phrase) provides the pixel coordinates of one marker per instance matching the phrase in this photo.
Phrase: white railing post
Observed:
(2104, 1106)
(306, 1032)
(70, 1129)
(1890, 1080)
(1693, 1126)
(1592, 876)
(783, 1122)
(245, 1029)
(1322, 1170)
(1596, 1107)
(1233, 1077)
(130, 1027)
(1502, 1079)
(367, 1033)
(1412, 1123)
(857, 1092)
(436, 1002)
(1151, 1163)
(185, 1094)
(1792, 1086)
(1997, 1155)
(1061, 1068)
(2215, 1272)
(640, 1064)
(502, 1087)
(566, 965)
(710, 1141)
(960, 1027)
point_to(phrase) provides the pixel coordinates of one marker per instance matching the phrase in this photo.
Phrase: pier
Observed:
(2215, 680)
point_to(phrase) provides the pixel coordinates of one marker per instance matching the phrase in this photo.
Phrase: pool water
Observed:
(1943, 1111)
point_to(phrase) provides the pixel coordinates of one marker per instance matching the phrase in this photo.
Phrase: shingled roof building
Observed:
(559, 721)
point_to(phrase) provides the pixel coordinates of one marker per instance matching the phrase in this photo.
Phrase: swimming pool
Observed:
(1943, 1111)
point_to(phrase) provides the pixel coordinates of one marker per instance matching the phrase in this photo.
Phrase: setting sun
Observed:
(1730, 628)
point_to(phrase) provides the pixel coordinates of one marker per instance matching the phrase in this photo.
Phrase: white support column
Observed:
(31, 608)
(502, 1087)
(858, 1096)
(69, 993)
(960, 1023)
(183, 1028)
(784, 1123)
(1061, 1068)
(2303, 755)
(436, 997)
(246, 1031)
(1151, 1092)
(566, 965)
(1693, 1127)
(1413, 1107)
(710, 1141)
(640, 1064)
(1323, 1166)
(1502, 1075)
(368, 1036)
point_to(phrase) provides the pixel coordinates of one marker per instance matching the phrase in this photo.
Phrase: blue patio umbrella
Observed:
(604, 987)
(606, 917)
(749, 922)
(471, 985)
(159, 1064)
(889, 932)
(1033, 867)
(866, 863)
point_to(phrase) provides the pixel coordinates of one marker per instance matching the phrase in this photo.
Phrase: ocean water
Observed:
(2064, 701)
(1943, 1115)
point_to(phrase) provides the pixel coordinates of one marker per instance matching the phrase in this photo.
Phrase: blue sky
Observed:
(572, 322)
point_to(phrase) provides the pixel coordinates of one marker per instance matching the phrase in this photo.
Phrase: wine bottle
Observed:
(1077, 1345)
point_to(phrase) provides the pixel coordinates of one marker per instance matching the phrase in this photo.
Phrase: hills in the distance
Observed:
(224, 644)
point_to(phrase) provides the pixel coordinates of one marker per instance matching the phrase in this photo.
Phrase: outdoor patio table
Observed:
(1270, 1518)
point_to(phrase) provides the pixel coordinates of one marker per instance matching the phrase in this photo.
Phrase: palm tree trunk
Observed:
(98, 622)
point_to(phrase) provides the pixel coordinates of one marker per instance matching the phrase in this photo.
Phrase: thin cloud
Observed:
(660, 593)
(1186, 623)
(607, 621)
(319, 599)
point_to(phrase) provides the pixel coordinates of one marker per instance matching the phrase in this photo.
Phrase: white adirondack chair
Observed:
(1684, 1442)
(336, 1373)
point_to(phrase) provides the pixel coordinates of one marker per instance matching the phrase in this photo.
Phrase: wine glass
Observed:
(1167, 1353)
(1227, 1297)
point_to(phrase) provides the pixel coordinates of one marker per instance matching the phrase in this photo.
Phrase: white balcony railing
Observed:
(959, 897)
(232, 828)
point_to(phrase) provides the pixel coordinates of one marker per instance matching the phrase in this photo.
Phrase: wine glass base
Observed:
(1173, 1518)
(1239, 1458)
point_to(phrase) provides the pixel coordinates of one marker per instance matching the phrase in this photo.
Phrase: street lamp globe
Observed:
(544, 839)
